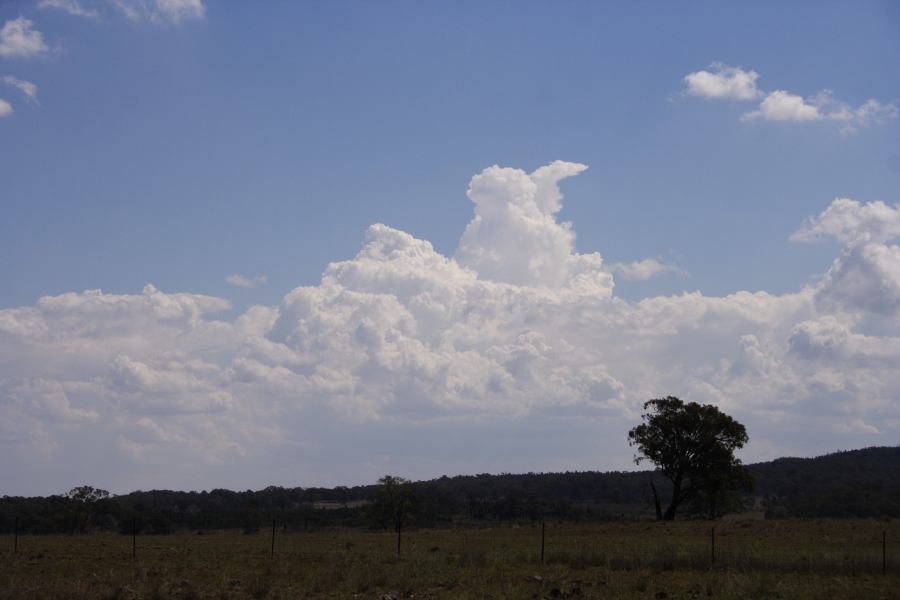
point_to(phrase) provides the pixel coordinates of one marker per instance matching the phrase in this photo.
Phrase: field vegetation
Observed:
(753, 559)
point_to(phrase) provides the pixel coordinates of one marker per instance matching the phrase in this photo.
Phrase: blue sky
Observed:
(177, 144)
(264, 141)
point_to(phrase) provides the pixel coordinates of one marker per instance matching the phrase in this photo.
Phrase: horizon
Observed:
(439, 477)
(245, 244)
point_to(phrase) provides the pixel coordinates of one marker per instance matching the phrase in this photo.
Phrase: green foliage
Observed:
(394, 503)
(693, 447)
(85, 501)
(86, 494)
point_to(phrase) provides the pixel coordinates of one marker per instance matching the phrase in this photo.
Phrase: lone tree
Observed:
(693, 446)
(85, 499)
(394, 503)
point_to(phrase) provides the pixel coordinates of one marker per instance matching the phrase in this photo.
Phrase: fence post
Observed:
(399, 529)
(272, 554)
(884, 552)
(15, 535)
(133, 537)
(712, 546)
(543, 536)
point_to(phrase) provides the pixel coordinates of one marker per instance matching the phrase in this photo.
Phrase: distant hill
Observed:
(853, 483)
(856, 483)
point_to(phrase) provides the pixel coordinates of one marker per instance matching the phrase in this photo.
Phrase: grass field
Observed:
(754, 559)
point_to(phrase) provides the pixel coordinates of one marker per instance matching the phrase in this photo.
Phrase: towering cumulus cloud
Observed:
(514, 354)
(515, 238)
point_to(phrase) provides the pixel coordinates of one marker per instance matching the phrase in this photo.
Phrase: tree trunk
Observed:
(656, 500)
(676, 499)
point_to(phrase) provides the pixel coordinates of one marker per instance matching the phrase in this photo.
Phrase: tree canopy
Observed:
(87, 494)
(393, 502)
(85, 498)
(693, 447)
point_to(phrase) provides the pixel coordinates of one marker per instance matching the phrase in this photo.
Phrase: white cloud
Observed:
(6, 108)
(783, 106)
(246, 282)
(871, 112)
(642, 270)
(19, 39)
(866, 276)
(26, 87)
(724, 82)
(173, 11)
(857, 426)
(72, 7)
(514, 236)
(852, 222)
(178, 10)
(734, 83)
(403, 359)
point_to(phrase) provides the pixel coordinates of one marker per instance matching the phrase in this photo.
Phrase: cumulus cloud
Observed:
(514, 236)
(852, 222)
(642, 270)
(246, 282)
(514, 354)
(732, 83)
(72, 7)
(28, 89)
(19, 39)
(866, 275)
(6, 108)
(784, 106)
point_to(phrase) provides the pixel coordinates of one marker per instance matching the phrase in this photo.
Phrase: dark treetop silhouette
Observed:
(693, 446)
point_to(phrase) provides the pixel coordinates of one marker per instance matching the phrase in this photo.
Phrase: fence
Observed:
(850, 547)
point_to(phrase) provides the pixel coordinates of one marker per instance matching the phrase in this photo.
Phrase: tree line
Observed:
(691, 445)
(859, 483)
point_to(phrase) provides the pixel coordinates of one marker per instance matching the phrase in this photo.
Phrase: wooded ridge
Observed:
(856, 483)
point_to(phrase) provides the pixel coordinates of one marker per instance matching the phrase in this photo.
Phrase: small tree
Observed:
(394, 503)
(693, 446)
(85, 499)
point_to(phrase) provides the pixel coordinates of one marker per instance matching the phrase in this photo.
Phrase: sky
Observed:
(249, 244)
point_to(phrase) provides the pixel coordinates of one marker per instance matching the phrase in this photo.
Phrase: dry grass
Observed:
(754, 559)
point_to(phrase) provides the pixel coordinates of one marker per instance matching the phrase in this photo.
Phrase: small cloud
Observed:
(852, 119)
(784, 106)
(26, 87)
(246, 282)
(857, 426)
(72, 7)
(174, 11)
(178, 10)
(642, 270)
(732, 83)
(6, 108)
(18, 38)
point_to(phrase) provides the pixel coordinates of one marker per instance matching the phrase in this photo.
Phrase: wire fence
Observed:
(836, 547)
